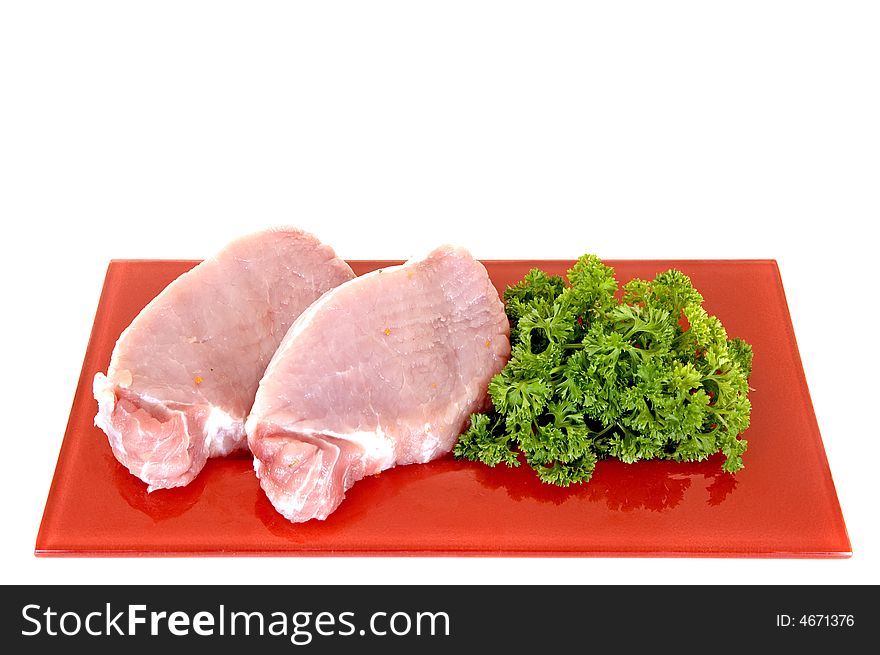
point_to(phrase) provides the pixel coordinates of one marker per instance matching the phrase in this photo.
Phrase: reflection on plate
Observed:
(655, 485)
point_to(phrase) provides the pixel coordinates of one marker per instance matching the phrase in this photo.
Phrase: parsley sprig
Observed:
(637, 373)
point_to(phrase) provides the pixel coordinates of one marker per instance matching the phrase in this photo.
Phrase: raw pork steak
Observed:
(183, 375)
(383, 370)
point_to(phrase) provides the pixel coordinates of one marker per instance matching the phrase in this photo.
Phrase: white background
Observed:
(520, 130)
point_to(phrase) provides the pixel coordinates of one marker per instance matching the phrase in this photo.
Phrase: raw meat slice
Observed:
(383, 370)
(183, 375)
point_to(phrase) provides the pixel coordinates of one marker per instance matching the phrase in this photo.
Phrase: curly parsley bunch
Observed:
(649, 376)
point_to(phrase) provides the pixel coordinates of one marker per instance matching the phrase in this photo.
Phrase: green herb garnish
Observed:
(593, 374)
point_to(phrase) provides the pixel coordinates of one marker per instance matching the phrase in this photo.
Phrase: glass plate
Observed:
(782, 504)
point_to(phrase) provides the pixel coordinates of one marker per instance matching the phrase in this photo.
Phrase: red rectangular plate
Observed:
(783, 504)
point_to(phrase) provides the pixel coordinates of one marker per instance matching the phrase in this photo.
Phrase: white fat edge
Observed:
(102, 390)
(434, 440)
(375, 444)
(250, 428)
(223, 433)
(377, 447)
(430, 442)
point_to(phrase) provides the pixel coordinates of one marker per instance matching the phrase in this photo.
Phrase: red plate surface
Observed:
(783, 504)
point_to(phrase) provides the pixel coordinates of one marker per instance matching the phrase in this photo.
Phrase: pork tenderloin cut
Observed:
(183, 374)
(385, 369)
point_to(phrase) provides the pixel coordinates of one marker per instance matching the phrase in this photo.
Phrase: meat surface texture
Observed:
(183, 375)
(383, 370)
